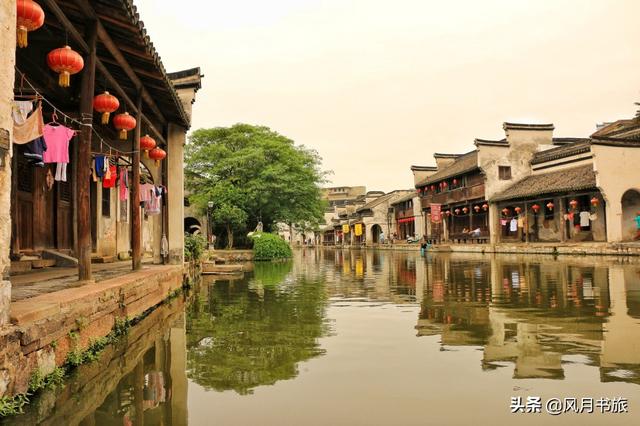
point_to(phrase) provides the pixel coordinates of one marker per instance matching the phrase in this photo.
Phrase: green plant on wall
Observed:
(194, 246)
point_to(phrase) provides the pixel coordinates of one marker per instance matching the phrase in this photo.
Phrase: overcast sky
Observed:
(376, 86)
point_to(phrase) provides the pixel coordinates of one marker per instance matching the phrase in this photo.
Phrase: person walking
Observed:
(381, 238)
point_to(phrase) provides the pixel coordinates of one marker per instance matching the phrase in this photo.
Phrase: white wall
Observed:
(616, 172)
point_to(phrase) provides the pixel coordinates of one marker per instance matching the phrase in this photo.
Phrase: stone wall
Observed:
(7, 63)
(40, 337)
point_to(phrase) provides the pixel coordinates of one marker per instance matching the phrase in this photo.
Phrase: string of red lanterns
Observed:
(147, 143)
(157, 154)
(30, 17)
(124, 123)
(105, 103)
(66, 62)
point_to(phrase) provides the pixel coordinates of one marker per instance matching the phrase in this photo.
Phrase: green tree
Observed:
(231, 217)
(256, 331)
(257, 171)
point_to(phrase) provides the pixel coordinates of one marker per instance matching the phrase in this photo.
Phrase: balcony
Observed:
(454, 196)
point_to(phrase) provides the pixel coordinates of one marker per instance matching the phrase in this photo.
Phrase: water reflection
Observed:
(531, 313)
(254, 332)
(233, 353)
(141, 380)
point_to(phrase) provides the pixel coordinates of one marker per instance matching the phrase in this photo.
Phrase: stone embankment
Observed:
(582, 249)
(47, 328)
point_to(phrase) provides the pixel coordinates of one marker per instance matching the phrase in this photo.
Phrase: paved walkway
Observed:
(33, 284)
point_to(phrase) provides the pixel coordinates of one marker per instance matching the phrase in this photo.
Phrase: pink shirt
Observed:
(57, 139)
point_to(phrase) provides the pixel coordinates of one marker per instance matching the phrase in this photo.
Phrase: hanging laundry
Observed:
(99, 165)
(57, 139)
(20, 111)
(32, 128)
(61, 172)
(146, 191)
(585, 219)
(34, 150)
(94, 176)
(152, 207)
(110, 180)
(513, 225)
(124, 184)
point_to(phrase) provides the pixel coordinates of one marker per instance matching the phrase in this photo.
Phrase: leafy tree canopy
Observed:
(254, 173)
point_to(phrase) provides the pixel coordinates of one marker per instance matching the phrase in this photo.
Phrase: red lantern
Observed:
(445, 184)
(465, 210)
(518, 210)
(433, 187)
(66, 62)
(147, 143)
(595, 202)
(573, 203)
(157, 154)
(476, 208)
(106, 104)
(535, 208)
(485, 206)
(505, 211)
(30, 17)
(448, 212)
(457, 211)
(124, 122)
(550, 205)
(455, 181)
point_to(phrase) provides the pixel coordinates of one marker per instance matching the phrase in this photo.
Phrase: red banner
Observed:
(436, 213)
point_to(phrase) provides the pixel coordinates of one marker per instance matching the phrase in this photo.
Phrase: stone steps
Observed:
(31, 262)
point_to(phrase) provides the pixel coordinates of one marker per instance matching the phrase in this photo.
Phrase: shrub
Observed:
(194, 246)
(270, 247)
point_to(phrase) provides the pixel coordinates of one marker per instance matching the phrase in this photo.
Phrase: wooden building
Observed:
(82, 217)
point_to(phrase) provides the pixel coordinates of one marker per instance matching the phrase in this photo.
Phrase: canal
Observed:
(375, 337)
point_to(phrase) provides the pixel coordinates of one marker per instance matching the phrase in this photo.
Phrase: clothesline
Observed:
(23, 78)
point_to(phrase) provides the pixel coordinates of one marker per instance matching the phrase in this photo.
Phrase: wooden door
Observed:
(23, 197)
(64, 213)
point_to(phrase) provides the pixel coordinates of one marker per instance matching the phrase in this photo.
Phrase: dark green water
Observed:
(375, 337)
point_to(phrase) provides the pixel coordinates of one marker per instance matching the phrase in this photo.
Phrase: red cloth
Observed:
(111, 182)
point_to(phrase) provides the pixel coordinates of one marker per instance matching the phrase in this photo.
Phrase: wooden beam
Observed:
(83, 170)
(79, 39)
(136, 222)
(106, 39)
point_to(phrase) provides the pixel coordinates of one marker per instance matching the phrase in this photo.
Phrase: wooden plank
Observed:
(136, 222)
(83, 170)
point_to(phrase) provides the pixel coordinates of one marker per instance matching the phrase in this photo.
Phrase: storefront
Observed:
(571, 217)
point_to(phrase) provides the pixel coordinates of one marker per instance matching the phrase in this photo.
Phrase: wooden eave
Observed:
(127, 64)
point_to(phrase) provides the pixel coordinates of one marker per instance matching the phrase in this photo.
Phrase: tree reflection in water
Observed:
(254, 332)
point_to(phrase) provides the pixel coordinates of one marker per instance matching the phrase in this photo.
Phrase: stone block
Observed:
(5, 301)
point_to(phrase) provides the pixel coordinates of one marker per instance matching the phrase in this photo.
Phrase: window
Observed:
(504, 172)
(106, 202)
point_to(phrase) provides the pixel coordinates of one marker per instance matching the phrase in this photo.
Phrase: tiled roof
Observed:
(390, 196)
(574, 179)
(501, 142)
(463, 164)
(407, 197)
(562, 151)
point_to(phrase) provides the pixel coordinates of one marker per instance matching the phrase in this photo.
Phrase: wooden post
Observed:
(83, 170)
(136, 222)
(525, 223)
(561, 209)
